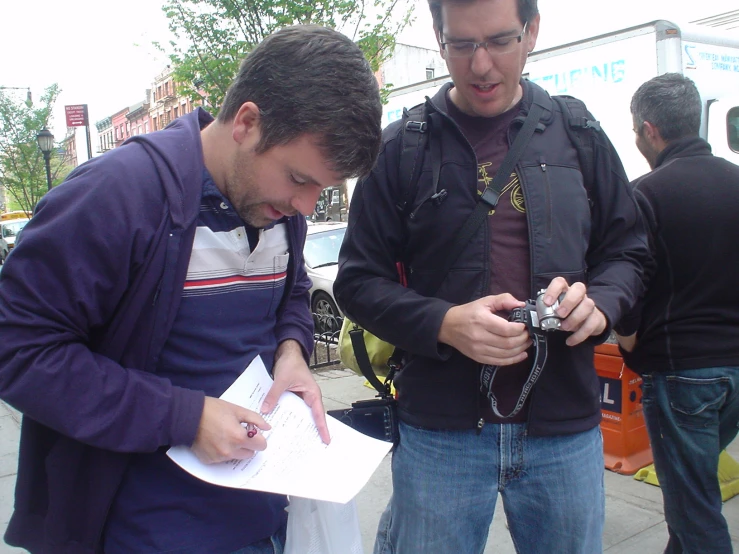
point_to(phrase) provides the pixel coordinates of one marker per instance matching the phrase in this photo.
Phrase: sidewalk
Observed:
(634, 519)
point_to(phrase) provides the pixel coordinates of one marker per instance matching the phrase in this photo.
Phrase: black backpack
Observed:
(419, 125)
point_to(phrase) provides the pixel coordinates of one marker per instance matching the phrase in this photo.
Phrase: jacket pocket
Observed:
(459, 286)
(542, 280)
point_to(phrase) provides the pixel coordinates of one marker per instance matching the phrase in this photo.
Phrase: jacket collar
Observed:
(683, 148)
(532, 93)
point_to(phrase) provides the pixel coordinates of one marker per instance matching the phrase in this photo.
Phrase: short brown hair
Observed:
(307, 79)
(527, 10)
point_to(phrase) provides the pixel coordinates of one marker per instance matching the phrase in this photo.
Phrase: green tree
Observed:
(22, 168)
(212, 36)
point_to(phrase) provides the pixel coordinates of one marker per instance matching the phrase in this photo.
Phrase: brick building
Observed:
(166, 105)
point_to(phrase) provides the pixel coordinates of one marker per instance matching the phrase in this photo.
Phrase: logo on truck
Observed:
(564, 81)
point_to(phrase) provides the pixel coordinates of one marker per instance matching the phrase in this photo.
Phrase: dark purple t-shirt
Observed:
(510, 263)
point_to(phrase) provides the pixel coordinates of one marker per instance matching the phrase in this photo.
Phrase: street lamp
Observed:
(46, 144)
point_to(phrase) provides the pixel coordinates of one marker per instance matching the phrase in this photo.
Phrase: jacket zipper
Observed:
(486, 279)
(524, 188)
(547, 198)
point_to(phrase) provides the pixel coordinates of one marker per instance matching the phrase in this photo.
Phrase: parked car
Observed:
(9, 230)
(322, 263)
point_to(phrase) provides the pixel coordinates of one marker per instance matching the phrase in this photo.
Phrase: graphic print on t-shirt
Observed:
(512, 190)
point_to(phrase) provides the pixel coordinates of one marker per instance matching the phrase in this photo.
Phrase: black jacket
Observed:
(690, 314)
(439, 387)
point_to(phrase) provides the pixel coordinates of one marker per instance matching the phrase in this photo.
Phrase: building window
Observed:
(174, 112)
(429, 73)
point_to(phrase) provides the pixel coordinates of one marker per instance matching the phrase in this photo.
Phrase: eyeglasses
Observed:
(500, 45)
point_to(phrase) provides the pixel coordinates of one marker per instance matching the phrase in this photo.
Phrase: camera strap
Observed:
(526, 315)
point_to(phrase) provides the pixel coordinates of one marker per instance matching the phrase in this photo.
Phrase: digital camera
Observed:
(537, 314)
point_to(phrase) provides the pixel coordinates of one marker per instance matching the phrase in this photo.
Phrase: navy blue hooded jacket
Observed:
(87, 300)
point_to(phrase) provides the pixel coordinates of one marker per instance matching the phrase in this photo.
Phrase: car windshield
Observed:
(322, 249)
(12, 229)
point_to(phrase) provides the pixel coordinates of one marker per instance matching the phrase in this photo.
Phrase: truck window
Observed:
(732, 128)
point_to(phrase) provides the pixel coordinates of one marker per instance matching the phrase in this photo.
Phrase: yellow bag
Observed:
(378, 351)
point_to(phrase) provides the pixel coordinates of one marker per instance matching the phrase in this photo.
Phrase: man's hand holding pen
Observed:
(228, 432)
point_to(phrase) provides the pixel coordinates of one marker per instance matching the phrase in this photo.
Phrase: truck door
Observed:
(723, 128)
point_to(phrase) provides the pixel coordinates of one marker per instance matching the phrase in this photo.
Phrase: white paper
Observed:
(295, 462)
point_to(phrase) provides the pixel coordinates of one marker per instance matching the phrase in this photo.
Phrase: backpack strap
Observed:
(419, 124)
(581, 128)
(415, 135)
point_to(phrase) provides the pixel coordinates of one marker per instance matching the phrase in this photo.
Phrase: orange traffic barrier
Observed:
(625, 440)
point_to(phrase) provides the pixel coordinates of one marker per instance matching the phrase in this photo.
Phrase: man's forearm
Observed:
(626, 342)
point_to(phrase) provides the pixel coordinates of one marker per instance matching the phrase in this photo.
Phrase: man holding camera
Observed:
(549, 231)
(683, 338)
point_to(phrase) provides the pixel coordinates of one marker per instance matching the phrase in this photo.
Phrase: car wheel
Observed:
(325, 313)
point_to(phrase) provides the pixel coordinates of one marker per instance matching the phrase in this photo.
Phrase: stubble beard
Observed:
(240, 189)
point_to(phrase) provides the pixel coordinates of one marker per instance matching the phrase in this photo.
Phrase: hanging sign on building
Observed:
(76, 115)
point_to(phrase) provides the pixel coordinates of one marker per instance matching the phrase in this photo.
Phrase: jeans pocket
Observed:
(696, 402)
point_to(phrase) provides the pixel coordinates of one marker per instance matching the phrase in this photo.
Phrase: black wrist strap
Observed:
(488, 373)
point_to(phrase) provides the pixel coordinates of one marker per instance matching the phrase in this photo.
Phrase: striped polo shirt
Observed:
(235, 281)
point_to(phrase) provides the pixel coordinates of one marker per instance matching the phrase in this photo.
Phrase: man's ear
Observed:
(648, 129)
(245, 124)
(651, 133)
(532, 32)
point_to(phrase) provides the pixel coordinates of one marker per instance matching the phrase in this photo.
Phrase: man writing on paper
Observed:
(147, 282)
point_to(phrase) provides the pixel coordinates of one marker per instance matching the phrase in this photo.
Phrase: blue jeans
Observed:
(446, 483)
(272, 545)
(691, 416)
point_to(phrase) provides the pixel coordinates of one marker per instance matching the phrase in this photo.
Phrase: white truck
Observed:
(605, 71)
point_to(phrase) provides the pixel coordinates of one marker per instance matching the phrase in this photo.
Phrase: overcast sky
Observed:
(101, 54)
